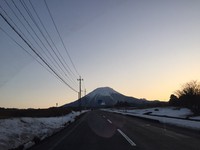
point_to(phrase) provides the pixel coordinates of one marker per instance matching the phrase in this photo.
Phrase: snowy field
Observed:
(170, 115)
(27, 131)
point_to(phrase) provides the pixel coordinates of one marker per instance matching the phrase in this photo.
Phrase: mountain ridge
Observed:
(105, 97)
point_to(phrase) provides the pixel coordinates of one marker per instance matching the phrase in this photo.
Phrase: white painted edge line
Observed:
(126, 137)
(109, 121)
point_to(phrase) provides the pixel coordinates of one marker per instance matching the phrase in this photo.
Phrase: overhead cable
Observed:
(58, 56)
(32, 29)
(36, 53)
(60, 37)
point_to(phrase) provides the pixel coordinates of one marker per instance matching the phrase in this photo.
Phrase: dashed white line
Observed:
(104, 116)
(126, 137)
(109, 121)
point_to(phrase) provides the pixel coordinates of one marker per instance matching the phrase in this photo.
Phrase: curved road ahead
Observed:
(99, 130)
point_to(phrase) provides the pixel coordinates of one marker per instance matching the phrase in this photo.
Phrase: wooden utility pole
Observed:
(79, 93)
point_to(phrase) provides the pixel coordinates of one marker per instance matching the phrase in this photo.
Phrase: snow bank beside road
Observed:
(164, 111)
(163, 115)
(27, 131)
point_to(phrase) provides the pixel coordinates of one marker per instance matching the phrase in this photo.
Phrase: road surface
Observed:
(100, 130)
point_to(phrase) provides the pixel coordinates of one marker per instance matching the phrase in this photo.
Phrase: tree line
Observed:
(188, 96)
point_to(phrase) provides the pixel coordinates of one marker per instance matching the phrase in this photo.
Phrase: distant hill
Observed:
(106, 97)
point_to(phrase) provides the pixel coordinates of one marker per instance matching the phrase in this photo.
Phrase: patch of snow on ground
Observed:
(166, 111)
(17, 131)
(196, 118)
(160, 113)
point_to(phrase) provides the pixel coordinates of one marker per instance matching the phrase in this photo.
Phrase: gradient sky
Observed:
(140, 48)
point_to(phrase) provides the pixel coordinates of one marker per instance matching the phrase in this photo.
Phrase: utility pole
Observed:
(79, 93)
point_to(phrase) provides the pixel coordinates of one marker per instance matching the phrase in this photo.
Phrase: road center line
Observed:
(126, 137)
(109, 121)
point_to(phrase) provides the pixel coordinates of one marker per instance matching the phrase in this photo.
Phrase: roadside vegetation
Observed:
(49, 112)
(188, 96)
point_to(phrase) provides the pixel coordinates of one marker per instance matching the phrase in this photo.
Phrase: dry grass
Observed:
(50, 112)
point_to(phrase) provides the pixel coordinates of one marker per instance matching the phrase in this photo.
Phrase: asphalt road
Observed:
(99, 130)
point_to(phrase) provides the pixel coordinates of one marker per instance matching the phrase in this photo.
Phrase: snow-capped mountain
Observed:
(103, 97)
(103, 91)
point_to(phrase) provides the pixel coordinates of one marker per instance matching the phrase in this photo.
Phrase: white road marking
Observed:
(104, 116)
(109, 121)
(126, 137)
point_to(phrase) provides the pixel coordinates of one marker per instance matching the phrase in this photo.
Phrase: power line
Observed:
(58, 56)
(12, 20)
(60, 37)
(23, 27)
(26, 51)
(70, 71)
(35, 52)
(19, 21)
(18, 27)
(16, 42)
(56, 62)
(29, 33)
(31, 45)
(40, 30)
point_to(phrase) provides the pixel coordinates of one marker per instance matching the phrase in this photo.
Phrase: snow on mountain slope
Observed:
(104, 96)
(103, 91)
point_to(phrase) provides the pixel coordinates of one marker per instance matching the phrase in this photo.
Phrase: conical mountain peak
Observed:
(103, 91)
(105, 97)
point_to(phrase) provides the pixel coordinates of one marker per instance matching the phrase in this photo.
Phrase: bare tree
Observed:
(189, 95)
(189, 89)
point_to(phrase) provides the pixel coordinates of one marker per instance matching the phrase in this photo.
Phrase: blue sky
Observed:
(145, 49)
